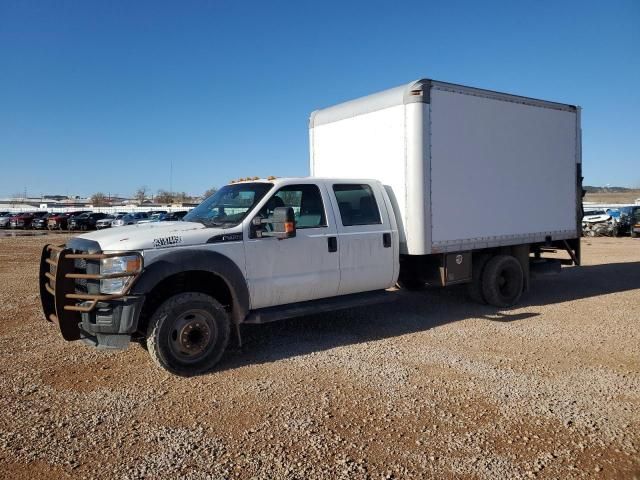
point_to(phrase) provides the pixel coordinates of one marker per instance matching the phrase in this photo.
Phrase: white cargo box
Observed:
(468, 168)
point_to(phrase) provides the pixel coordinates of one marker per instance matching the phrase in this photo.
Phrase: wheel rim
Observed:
(508, 283)
(192, 335)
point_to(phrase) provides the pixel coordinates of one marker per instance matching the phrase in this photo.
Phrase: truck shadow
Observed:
(419, 311)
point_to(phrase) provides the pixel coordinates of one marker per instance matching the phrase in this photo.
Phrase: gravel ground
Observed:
(430, 386)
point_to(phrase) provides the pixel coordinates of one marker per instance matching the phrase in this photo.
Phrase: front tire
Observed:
(502, 281)
(188, 334)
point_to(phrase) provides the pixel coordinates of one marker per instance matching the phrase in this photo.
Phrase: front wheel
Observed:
(188, 334)
(502, 281)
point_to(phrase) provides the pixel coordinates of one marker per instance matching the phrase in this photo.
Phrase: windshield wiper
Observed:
(210, 223)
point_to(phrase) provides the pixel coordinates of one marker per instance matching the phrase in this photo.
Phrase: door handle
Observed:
(332, 243)
(386, 240)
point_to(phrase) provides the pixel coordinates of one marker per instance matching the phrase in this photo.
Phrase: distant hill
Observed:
(591, 189)
(611, 194)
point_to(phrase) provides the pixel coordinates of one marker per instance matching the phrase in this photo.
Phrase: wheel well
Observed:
(190, 281)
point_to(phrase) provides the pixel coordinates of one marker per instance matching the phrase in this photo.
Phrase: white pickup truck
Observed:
(462, 186)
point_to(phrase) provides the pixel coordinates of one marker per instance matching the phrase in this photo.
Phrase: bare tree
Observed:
(141, 194)
(164, 196)
(210, 192)
(181, 197)
(99, 199)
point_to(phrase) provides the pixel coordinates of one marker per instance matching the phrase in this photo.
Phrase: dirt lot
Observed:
(613, 197)
(429, 386)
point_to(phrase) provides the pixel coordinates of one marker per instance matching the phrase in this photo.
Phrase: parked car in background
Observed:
(629, 217)
(130, 219)
(153, 216)
(40, 223)
(630, 220)
(105, 222)
(635, 222)
(60, 221)
(25, 219)
(173, 216)
(5, 220)
(86, 221)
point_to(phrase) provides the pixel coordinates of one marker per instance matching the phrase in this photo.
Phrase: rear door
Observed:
(296, 269)
(365, 237)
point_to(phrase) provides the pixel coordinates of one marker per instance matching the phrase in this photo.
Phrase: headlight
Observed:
(124, 268)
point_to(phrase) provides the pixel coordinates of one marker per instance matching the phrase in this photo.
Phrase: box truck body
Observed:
(466, 168)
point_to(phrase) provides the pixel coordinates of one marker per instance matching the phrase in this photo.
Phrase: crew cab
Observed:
(253, 252)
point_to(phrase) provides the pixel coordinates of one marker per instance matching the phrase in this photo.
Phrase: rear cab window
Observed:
(357, 204)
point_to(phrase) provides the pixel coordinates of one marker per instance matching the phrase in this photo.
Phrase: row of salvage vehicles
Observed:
(611, 221)
(82, 220)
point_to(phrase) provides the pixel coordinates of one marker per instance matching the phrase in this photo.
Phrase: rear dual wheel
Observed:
(497, 280)
(502, 281)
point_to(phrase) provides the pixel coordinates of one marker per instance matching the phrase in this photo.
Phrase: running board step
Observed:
(292, 310)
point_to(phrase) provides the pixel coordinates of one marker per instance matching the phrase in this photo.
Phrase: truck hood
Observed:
(152, 236)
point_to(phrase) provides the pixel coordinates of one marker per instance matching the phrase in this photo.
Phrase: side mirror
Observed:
(283, 221)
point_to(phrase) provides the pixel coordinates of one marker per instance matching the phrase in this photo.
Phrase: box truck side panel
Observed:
(502, 172)
(370, 144)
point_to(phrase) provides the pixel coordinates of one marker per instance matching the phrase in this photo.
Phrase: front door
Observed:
(296, 269)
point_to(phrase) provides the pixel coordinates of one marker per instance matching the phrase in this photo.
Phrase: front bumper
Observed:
(70, 298)
(111, 324)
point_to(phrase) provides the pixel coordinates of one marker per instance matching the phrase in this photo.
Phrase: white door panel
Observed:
(295, 269)
(365, 263)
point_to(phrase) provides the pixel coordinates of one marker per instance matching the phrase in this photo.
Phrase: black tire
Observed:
(408, 282)
(502, 281)
(188, 334)
(474, 289)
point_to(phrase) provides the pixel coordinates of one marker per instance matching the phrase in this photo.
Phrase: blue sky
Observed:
(104, 96)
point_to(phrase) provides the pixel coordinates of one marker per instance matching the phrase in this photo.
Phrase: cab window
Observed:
(357, 204)
(306, 202)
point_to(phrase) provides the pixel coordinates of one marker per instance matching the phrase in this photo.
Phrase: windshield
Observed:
(229, 205)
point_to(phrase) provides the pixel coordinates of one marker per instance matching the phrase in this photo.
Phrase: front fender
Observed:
(179, 261)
